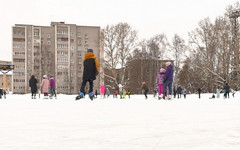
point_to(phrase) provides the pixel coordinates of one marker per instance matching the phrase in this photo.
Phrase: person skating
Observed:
(33, 85)
(145, 88)
(179, 92)
(218, 91)
(90, 71)
(52, 87)
(168, 80)
(128, 93)
(184, 93)
(45, 86)
(108, 92)
(102, 91)
(227, 88)
(199, 92)
(1, 93)
(233, 92)
(160, 82)
(120, 90)
(116, 93)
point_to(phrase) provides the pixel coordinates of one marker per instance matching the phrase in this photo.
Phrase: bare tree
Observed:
(120, 40)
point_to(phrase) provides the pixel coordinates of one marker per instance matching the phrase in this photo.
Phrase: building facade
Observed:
(56, 50)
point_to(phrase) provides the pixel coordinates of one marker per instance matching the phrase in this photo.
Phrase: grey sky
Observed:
(149, 17)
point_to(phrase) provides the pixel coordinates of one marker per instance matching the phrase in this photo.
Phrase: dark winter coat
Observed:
(144, 87)
(179, 90)
(169, 73)
(227, 88)
(33, 84)
(91, 67)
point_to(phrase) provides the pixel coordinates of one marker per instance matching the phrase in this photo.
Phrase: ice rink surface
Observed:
(119, 124)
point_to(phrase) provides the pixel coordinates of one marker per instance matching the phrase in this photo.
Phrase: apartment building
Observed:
(56, 50)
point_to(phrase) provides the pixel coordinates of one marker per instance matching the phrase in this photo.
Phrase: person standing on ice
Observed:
(145, 88)
(120, 90)
(218, 91)
(227, 89)
(179, 92)
(33, 85)
(52, 87)
(102, 91)
(168, 80)
(90, 71)
(159, 82)
(108, 92)
(45, 86)
(199, 92)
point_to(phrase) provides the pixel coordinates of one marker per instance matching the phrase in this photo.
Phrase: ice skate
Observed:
(91, 96)
(80, 96)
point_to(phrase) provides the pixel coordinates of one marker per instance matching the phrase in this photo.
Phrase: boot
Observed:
(169, 97)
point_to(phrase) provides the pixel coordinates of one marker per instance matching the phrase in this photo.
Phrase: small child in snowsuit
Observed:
(52, 87)
(159, 82)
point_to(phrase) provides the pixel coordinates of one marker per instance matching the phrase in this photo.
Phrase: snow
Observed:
(119, 124)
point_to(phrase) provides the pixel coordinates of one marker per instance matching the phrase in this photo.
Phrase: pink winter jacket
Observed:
(45, 85)
(102, 89)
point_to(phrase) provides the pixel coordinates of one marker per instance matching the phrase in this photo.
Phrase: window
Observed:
(62, 53)
(79, 48)
(79, 35)
(79, 54)
(62, 67)
(62, 46)
(72, 61)
(72, 47)
(72, 33)
(49, 42)
(18, 74)
(19, 46)
(86, 42)
(79, 42)
(62, 32)
(86, 36)
(49, 35)
(36, 33)
(62, 59)
(42, 42)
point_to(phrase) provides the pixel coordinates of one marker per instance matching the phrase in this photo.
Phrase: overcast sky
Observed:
(148, 17)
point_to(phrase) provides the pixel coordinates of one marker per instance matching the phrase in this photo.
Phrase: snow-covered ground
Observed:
(117, 124)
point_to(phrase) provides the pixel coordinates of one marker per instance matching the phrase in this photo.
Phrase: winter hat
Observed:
(90, 50)
(51, 76)
(45, 76)
(162, 70)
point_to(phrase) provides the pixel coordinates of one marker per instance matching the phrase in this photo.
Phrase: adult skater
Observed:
(90, 71)
(52, 87)
(159, 82)
(120, 90)
(227, 90)
(168, 80)
(45, 86)
(199, 92)
(33, 85)
(145, 88)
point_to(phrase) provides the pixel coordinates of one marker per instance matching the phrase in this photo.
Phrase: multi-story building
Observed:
(56, 50)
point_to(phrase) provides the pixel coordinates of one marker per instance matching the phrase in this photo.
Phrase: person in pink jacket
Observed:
(159, 82)
(45, 86)
(102, 90)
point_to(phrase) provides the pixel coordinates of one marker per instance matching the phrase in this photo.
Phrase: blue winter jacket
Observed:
(169, 74)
